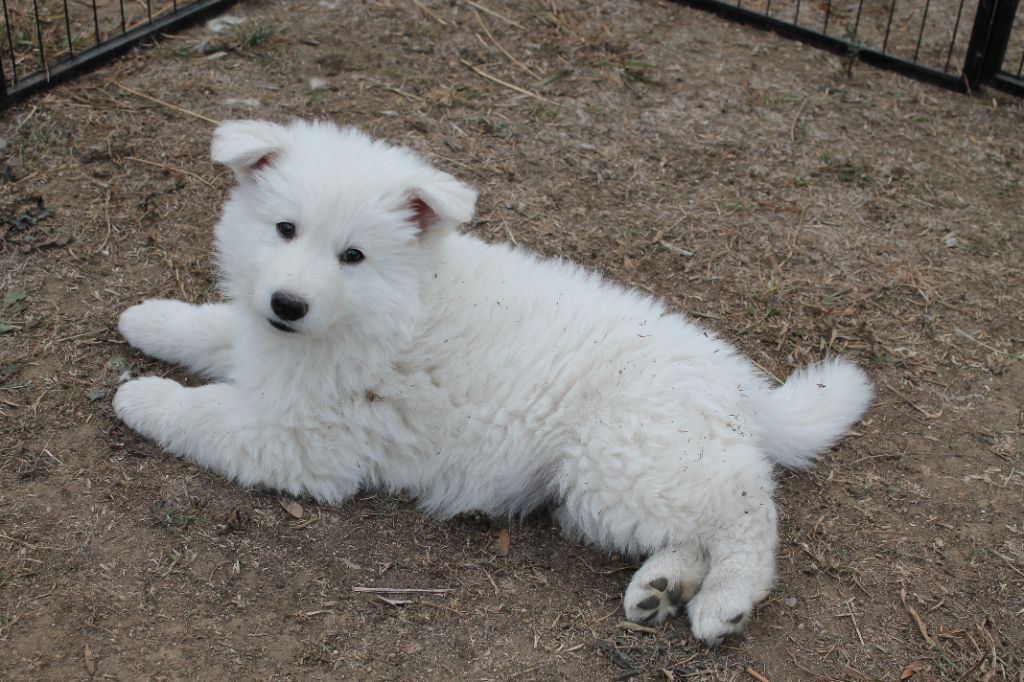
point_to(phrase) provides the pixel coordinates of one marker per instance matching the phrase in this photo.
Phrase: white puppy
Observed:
(365, 343)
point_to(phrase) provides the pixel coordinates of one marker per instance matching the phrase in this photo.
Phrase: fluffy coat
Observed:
(473, 376)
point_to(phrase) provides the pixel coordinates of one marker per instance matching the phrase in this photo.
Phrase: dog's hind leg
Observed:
(666, 581)
(197, 337)
(741, 572)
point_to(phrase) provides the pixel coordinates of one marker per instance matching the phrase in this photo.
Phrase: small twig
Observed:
(403, 93)
(853, 617)
(429, 12)
(796, 120)
(166, 104)
(981, 343)
(805, 668)
(1008, 563)
(970, 671)
(29, 545)
(394, 602)
(912, 403)
(917, 619)
(675, 249)
(756, 363)
(510, 86)
(496, 14)
(78, 336)
(106, 211)
(756, 675)
(505, 52)
(172, 169)
(402, 590)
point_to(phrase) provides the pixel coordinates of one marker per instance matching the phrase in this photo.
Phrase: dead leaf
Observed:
(912, 667)
(90, 664)
(293, 508)
(503, 545)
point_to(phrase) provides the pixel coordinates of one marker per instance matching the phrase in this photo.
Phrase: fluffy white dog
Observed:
(365, 343)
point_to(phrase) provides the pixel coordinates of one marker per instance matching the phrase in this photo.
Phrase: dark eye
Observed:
(286, 229)
(351, 256)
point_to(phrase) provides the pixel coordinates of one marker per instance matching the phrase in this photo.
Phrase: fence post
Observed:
(989, 38)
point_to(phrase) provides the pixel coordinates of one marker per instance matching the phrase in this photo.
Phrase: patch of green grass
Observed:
(845, 171)
(252, 35)
(637, 70)
(10, 307)
(167, 515)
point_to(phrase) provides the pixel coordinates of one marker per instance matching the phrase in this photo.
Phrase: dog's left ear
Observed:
(440, 203)
(247, 146)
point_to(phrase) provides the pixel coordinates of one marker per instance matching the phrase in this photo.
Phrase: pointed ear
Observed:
(247, 146)
(440, 203)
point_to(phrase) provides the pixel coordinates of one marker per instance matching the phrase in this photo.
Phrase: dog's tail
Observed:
(809, 413)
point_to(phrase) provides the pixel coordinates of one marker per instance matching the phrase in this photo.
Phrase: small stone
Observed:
(221, 24)
(317, 83)
(789, 601)
(247, 103)
(96, 394)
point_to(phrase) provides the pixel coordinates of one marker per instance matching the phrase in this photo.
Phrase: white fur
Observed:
(474, 376)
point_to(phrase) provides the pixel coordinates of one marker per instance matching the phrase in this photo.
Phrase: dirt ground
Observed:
(795, 208)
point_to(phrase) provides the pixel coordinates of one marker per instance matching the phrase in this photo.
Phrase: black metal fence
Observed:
(954, 43)
(46, 41)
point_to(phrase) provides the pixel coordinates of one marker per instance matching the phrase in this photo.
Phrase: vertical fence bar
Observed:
(989, 38)
(796, 14)
(95, 22)
(67, 27)
(149, 11)
(828, 11)
(920, 34)
(10, 45)
(888, 25)
(952, 41)
(856, 22)
(121, 4)
(39, 37)
(1020, 67)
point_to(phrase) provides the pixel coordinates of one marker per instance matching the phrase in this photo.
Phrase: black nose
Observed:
(288, 306)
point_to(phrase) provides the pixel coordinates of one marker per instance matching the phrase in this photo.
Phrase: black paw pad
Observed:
(659, 584)
(735, 620)
(651, 602)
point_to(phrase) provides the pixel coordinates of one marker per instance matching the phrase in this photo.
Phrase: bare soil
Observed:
(796, 208)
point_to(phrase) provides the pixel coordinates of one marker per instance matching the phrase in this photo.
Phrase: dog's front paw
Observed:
(145, 405)
(146, 325)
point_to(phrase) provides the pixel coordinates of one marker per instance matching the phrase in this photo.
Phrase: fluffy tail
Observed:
(810, 412)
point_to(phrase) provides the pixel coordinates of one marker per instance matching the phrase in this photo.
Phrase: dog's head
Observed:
(327, 227)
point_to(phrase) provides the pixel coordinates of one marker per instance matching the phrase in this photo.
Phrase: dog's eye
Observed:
(286, 229)
(351, 256)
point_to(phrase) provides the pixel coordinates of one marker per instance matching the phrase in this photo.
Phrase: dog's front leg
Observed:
(219, 427)
(197, 337)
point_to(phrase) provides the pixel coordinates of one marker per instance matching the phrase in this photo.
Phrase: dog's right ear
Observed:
(247, 146)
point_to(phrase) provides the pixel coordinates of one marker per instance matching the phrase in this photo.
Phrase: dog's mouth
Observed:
(280, 326)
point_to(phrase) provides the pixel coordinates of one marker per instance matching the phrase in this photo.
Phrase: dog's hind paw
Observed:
(654, 602)
(716, 614)
(663, 585)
